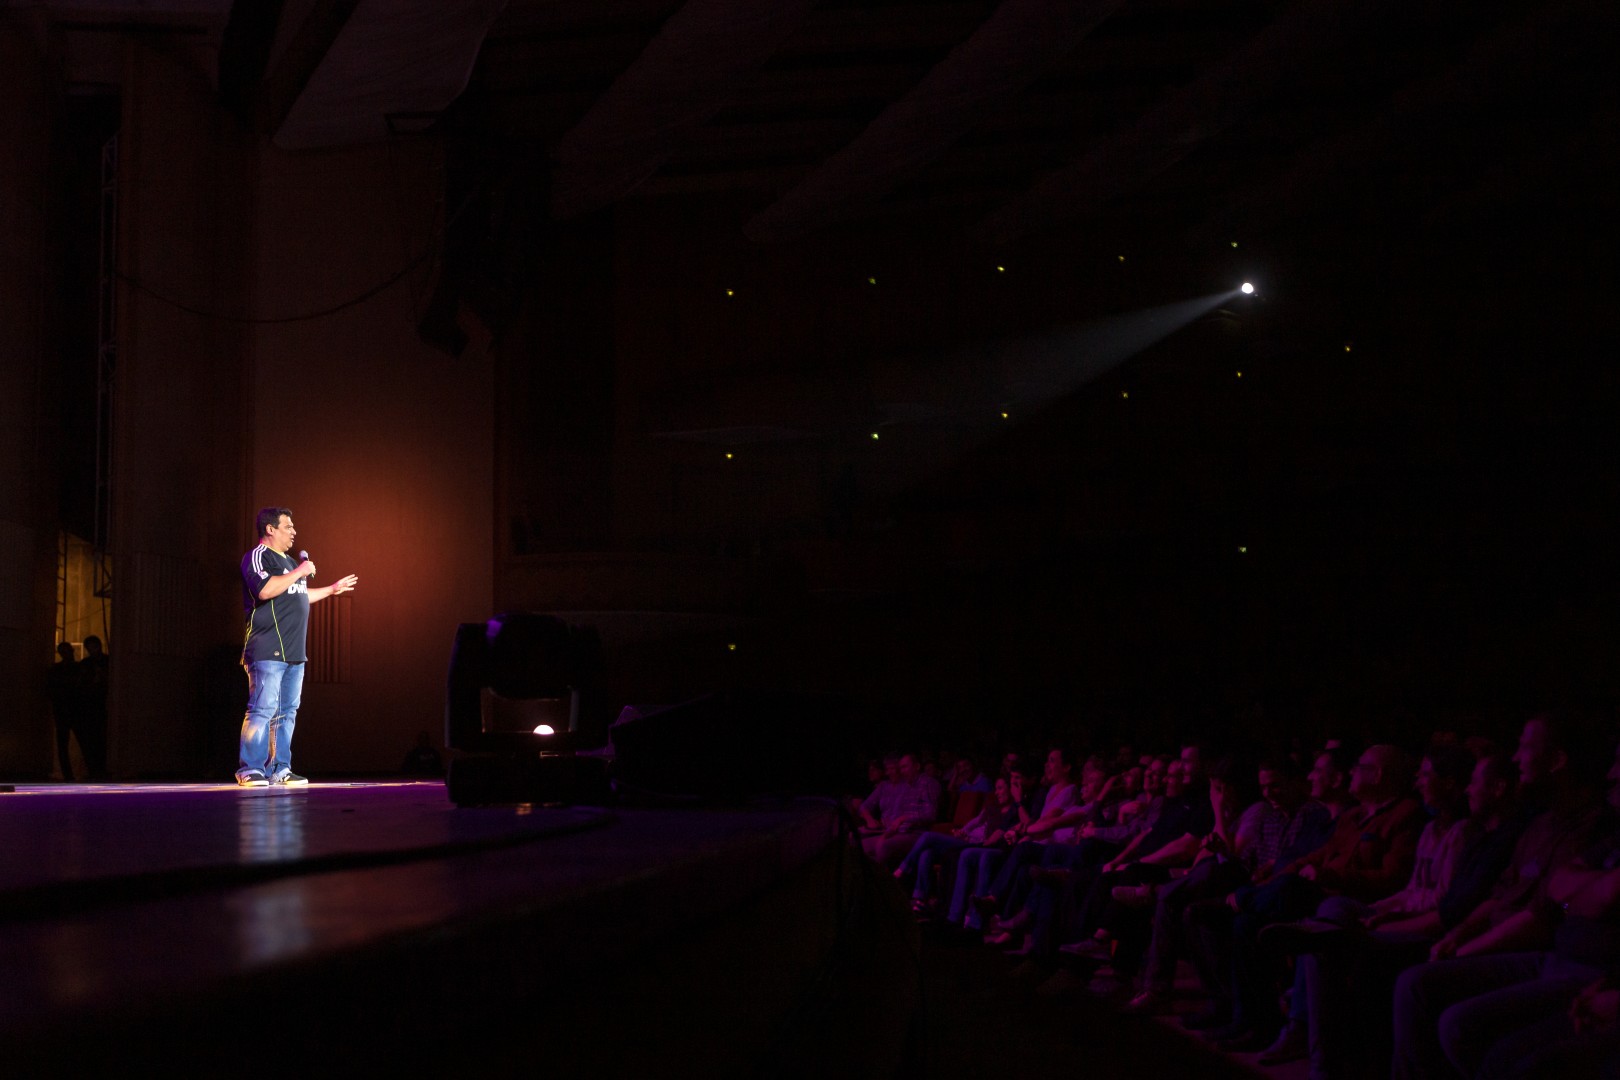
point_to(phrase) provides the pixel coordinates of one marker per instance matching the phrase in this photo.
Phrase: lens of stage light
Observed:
(1246, 288)
(545, 729)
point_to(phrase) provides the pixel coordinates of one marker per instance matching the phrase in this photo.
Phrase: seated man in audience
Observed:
(1122, 904)
(1207, 924)
(905, 808)
(1369, 856)
(1505, 938)
(1333, 949)
(883, 778)
(1288, 825)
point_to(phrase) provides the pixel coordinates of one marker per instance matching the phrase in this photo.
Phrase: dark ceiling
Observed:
(1184, 121)
(1194, 118)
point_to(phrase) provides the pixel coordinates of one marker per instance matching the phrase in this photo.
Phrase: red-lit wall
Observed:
(381, 446)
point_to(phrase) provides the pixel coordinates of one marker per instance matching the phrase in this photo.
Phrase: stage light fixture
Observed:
(1240, 374)
(1001, 269)
(1246, 289)
(731, 292)
(1234, 243)
(525, 692)
(729, 456)
(1004, 415)
(871, 281)
(1243, 551)
(1126, 394)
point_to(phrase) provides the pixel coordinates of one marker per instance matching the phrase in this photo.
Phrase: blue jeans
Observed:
(974, 869)
(1451, 1016)
(932, 849)
(274, 689)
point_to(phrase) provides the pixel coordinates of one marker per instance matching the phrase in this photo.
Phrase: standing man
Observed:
(94, 676)
(66, 704)
(276, 596)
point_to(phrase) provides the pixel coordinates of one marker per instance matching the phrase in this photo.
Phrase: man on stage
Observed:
(276, 596)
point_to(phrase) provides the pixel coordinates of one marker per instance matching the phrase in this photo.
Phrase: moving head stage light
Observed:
(525, 693)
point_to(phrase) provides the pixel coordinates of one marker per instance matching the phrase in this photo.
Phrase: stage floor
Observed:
(153, 915)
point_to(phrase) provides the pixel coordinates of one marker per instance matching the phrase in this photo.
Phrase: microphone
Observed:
(303, 557)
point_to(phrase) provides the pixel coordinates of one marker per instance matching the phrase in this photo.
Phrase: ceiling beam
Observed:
(1504, 72)
(687, 73)
(1020, 41)
(277, 92)
(1311, 33)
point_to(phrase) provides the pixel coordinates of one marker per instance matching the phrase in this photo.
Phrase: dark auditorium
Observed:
(860, 539)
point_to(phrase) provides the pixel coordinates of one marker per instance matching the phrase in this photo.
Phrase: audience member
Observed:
(1368, 856)
(907, 806)
(67, 699)
(1547, 895)
(938, 851)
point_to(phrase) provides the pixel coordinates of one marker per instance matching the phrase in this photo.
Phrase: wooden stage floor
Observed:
(345, 926)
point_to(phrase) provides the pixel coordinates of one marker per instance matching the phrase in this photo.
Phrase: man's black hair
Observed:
(270, 515)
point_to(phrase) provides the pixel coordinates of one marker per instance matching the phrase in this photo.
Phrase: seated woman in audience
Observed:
(1061, 795)
(977, 866)
(939, 850)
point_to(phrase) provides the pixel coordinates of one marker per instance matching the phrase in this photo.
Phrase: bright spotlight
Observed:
(545, 729)
(1246, 289)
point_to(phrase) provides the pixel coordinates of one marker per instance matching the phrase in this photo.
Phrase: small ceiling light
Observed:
(874, 434)
(1347, 346)
(871, 281)
(731, 646)
(1243, 551)
(1122, 258)
(1234, 243)
(728, 455)
(1240, 374)
(731, 292)
(545, 729)
(1246, 289)
(1126, 394)
(1001, 269)
(1004, 414)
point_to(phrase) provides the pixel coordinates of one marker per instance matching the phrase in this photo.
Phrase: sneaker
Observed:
(1087, 950)
(1134, 896)
(251, 778)
(291, 779)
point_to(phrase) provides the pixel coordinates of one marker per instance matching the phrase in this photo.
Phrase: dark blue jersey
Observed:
(275, 627)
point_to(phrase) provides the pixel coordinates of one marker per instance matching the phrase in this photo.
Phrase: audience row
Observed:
(1453, 913)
